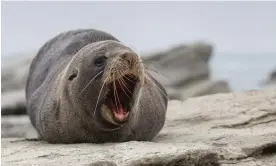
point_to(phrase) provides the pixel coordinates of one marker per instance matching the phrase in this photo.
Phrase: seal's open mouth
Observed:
(120, 97)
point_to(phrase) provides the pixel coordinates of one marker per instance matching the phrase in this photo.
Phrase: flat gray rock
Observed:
(234, 129)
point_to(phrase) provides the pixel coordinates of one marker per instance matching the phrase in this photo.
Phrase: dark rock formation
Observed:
(271, 80)
(184, 71)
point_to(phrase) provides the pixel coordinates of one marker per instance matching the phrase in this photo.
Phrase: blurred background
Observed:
(201, 48)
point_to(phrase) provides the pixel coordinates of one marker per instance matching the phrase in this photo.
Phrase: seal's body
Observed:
(86, 86)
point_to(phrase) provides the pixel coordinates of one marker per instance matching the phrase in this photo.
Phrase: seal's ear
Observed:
(73, 75)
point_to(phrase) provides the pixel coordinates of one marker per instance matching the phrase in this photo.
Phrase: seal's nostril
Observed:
(125, 55)
(129, 57)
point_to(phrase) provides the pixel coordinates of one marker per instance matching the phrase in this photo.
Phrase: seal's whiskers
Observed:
(104, 81)
(150, 69)
(144, 62)
(98, 99)
(115, 95)
(90, 81)
(121, 82)
(129, 79)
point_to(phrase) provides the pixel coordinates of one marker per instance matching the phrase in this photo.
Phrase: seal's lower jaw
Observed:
(119, 100)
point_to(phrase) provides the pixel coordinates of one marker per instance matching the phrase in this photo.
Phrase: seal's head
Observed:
(104, 80)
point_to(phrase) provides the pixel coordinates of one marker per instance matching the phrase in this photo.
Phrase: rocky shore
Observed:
(231, 129)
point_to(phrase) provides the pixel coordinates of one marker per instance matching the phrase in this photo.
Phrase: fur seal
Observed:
(85, 86)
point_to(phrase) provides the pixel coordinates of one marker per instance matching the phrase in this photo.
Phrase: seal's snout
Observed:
(121, 78)
(130, 57)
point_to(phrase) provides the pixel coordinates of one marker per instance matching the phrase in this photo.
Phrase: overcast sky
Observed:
(239, 27)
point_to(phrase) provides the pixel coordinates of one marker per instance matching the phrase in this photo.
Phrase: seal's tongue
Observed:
(120, 113)
(118, 110)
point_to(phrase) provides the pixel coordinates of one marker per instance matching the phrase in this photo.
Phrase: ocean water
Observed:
(243, 71)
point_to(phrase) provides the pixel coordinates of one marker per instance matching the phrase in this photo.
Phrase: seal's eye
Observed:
(100, 61)
(73, 75)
